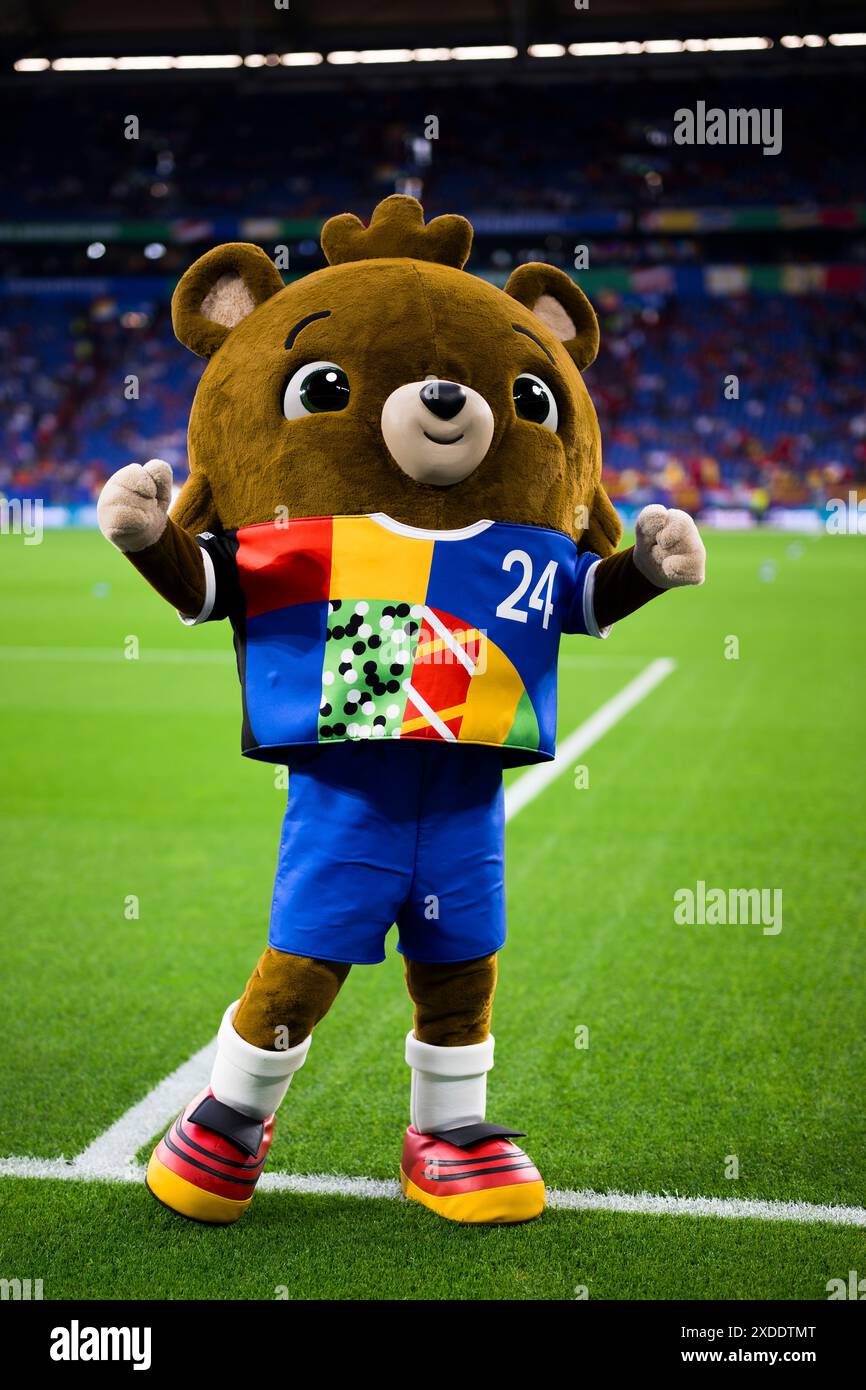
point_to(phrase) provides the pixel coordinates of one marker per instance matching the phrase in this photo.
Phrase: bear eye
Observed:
(315, 388)
(534, 401)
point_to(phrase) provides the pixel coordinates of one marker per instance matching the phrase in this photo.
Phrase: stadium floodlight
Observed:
(83, 64)
(301, 60)
(547, 50)
(603, 50)
(432, 55)
(208, 60)
(664, 46)
(146, 62)
(615, 49)
(255, 60)
(481, 51)
(847, 40)
(386, 55)
(791, 41)
(95, 250)
(814, 41)
(737, 45)
(32, 64)
(343, 56)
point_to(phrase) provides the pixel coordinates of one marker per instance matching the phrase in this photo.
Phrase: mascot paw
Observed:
(668, 549)
(473, 1174)
(133, 506)
(209, 1162)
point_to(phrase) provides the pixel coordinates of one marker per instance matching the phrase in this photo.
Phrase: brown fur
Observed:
(173, 566)
(453, 1003)
(286, 991)
(391, 319)
(397, 228)
(620, 588)
(399, 309)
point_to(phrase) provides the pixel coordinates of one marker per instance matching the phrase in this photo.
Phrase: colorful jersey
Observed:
(357, 627)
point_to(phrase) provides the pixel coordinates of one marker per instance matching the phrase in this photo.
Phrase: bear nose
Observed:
(444, 398)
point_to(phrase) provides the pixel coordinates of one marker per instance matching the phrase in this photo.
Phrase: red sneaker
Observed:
(472, 1173)
(209, 1162)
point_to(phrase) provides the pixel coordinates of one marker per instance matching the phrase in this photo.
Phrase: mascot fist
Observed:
(668, 549)
(133, 506)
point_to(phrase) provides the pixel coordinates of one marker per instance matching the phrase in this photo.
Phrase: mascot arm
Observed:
(133, 514)
(668, 552)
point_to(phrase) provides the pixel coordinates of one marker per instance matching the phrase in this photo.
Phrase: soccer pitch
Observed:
(137, 851)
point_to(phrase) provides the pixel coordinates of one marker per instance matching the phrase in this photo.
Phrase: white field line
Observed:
(111, 1157)
(334, 1185)
(116, 1149)
(538, 778)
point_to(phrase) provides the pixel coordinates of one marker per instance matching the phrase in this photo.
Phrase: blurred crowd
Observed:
(737, 401)
(263, 149)
(86, 388)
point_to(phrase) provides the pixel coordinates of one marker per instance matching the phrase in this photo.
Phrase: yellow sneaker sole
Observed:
(491, 1206)
(188, 1200)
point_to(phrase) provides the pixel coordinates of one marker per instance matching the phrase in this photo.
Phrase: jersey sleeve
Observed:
(580, 616)
(222, 597)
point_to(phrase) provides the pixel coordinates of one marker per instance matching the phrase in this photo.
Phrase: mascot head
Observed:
(391, 381)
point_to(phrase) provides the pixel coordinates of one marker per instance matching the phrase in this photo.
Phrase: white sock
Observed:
(251, 1079)
(449, 1084)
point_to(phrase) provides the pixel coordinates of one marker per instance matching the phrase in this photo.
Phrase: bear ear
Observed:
(219, 290)
(555, 299)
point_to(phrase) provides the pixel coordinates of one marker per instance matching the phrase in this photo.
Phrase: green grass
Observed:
(124, 777)
(99, 1241)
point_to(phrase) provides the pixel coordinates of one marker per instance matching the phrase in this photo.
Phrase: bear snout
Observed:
(444, 399)
(437, 431)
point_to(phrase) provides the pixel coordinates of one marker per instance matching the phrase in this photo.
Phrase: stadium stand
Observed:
(797, 425)
(703, 264)
(561, 148)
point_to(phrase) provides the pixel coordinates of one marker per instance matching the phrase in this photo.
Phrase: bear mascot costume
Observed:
(395, 499)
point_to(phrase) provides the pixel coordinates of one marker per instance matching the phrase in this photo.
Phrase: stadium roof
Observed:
(228, 26)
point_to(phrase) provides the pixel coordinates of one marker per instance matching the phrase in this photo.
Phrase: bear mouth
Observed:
(434, 440)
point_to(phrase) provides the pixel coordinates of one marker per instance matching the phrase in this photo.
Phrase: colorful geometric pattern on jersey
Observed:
(357, 627)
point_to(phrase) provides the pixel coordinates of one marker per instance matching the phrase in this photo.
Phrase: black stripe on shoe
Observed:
(513, 1152)
(226, 1177)
(477, 1173)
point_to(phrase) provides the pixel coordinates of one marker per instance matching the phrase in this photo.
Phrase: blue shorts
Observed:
(377, 834)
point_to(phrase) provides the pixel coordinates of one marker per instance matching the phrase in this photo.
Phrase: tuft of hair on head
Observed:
(397, 229)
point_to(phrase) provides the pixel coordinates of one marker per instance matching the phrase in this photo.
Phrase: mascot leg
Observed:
(454, 1162)
(207, 1165)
